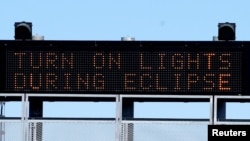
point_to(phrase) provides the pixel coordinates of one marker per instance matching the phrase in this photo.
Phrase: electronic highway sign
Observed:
(124, 67)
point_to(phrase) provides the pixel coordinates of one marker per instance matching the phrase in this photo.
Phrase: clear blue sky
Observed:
(112, 19)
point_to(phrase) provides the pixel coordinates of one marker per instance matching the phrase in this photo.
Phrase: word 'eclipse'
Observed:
(123, 71)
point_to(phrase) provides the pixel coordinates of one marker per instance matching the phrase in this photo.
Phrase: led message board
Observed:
(119, 67)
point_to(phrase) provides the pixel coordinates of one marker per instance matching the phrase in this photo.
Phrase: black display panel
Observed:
(123, 68)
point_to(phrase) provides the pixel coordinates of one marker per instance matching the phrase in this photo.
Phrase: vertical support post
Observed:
(128, 113)
(36, 111)
(221, 109)
(128, 109)
(36, 108)
(212, 110)
(25, 116)
(2, 124)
